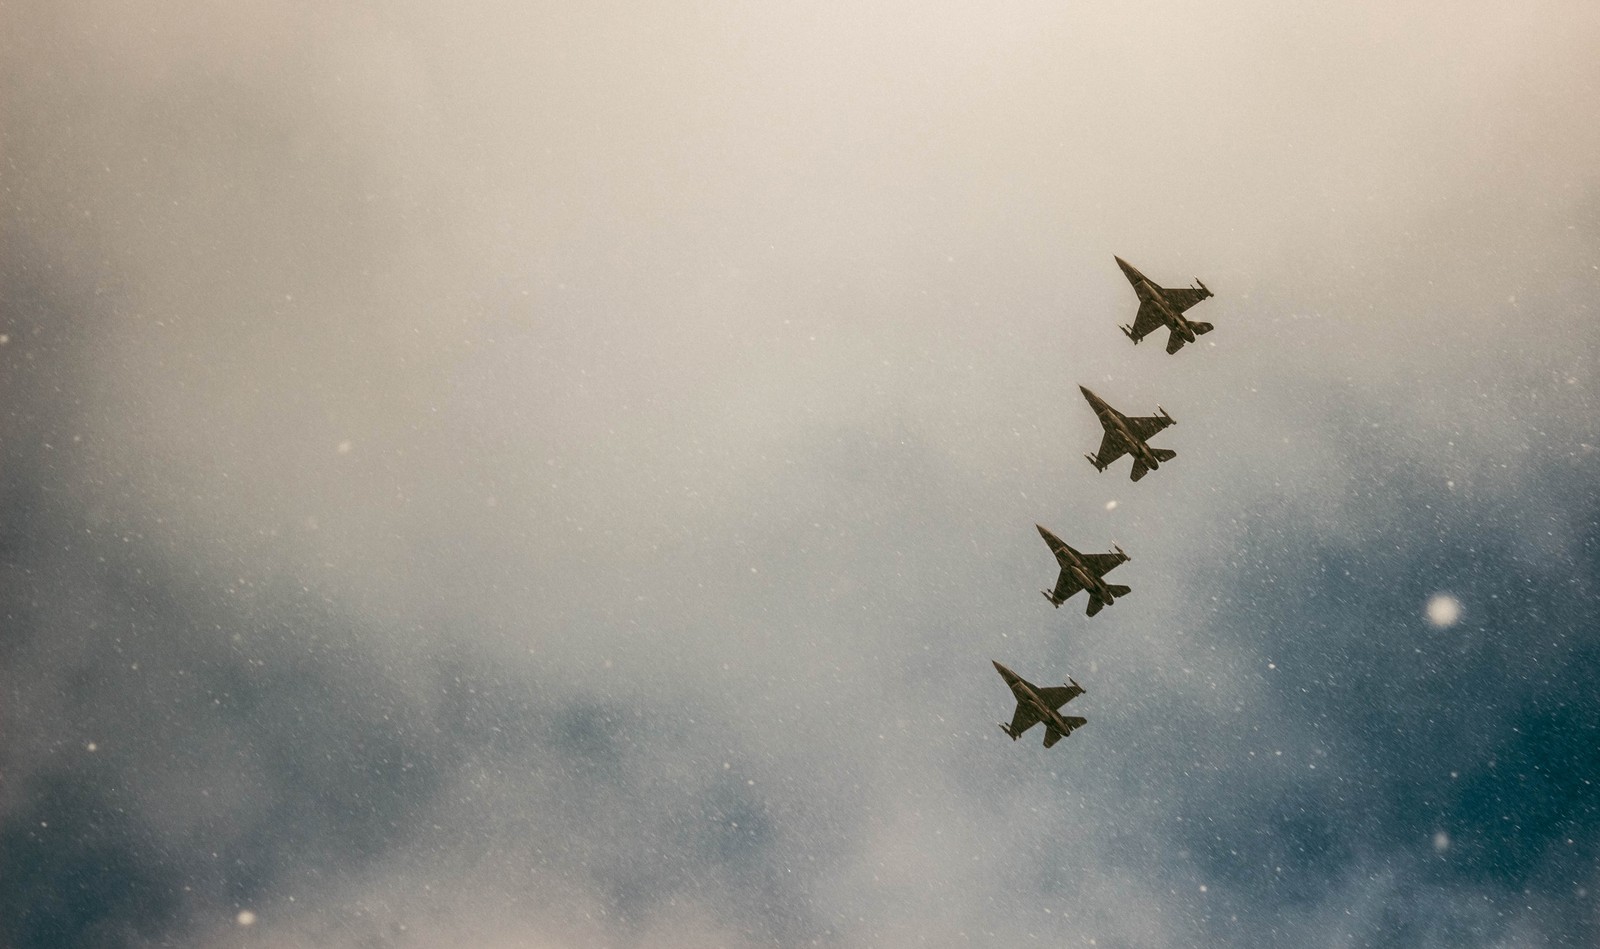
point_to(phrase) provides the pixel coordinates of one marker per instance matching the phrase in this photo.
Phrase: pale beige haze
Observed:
(700, 370)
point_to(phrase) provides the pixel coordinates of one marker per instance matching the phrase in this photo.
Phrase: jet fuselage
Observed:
(1096, 586)
(1113, 421)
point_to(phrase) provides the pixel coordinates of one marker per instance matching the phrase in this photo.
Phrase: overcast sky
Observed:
(555, 475)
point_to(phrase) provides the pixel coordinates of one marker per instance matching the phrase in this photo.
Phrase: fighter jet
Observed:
(1126, 436)
(1160, 307)
(1040, 705)
(1083, 572)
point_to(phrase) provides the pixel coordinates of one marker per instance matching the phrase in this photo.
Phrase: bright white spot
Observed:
(344, 447)
(245, 918)
(1202, 887)
(1111, 505)
(91, 746)
(1444, 610)
(1441, 841)
(4, 338)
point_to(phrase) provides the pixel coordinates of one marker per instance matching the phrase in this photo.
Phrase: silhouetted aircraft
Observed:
(1159, 307)
(1039, 705)
(1083, 572)
(1126, 436)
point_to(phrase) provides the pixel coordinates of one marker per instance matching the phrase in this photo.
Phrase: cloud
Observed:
(558, 476)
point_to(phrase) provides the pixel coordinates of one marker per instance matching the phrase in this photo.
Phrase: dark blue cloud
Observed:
(1464, 759)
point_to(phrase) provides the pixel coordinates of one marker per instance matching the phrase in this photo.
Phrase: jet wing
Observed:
(1100, 564)
(1111, 449)
(1066, 585)
(1184, 298)
(1145, 427)
(1149, 319)
(1059, 695)
(1023, 720)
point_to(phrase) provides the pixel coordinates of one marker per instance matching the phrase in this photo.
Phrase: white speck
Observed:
(245, 918)
(1441, 841)
(5, 338)
(344, 447)
(1202, 887)
(91, 746)
(1444, 610)
(1111, 505)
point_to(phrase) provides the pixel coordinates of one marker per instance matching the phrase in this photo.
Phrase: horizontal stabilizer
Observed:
(1163, 454)
(1118, 589)
(1174, 342)
(1095, 605)
(1200, 329)
(1051, 736)
(1139, 469)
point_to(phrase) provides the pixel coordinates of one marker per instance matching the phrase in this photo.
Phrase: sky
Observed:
(556, 475)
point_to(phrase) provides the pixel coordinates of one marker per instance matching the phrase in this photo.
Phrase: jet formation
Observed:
(1158, 307)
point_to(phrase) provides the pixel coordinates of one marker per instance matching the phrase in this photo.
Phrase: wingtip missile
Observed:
(1128, 332)
(1120, 552)
(1097, 465)
(1170, 419)
(1051, 597)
